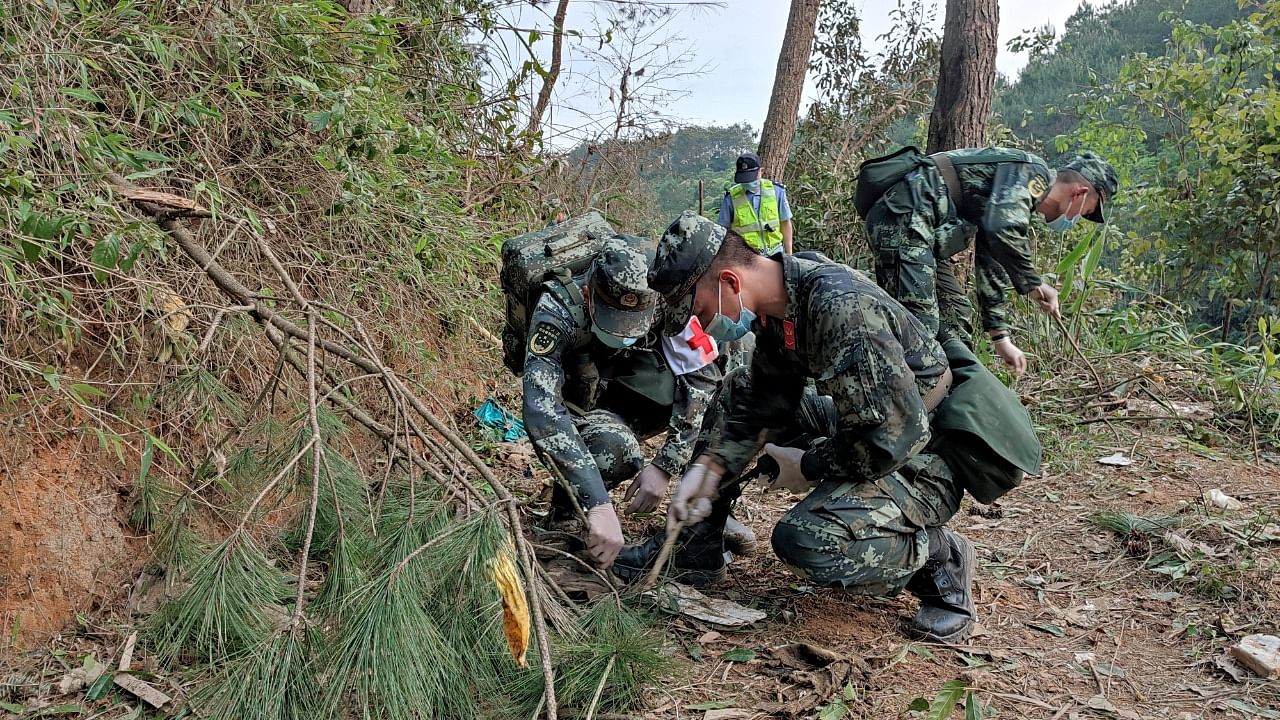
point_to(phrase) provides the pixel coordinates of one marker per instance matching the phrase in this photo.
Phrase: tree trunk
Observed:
(966, 84)
(784, 105)
(966, 76)
(553, 74)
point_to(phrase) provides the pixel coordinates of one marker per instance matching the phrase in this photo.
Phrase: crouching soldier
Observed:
(598, 378)
(912, 427)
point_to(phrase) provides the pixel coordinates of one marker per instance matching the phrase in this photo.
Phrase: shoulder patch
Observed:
(1037, 186)
(544, 339)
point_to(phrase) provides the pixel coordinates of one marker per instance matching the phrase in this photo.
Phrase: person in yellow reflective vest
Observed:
(757, 209)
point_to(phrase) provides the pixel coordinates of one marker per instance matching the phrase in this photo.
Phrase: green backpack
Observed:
(553, 254)
(877, 175)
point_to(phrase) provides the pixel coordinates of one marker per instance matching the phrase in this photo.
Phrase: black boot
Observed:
(697, 559)
(945, 588)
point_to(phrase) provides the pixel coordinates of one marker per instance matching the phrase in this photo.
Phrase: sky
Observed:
(736, 46)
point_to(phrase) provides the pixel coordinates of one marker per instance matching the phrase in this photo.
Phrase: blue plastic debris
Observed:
(491, 415)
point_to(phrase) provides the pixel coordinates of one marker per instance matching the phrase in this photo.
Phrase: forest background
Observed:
(248, 300)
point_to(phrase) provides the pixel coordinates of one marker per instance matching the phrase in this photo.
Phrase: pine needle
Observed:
(391, 659)
(273, 681)
(618, 641)
(223, 610)
(1125, 523)
(345, 576)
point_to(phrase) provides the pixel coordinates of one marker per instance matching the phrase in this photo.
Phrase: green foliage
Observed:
(224, 608)
(272, 681)
(866, 102)
(615, 639)
(1097, 40)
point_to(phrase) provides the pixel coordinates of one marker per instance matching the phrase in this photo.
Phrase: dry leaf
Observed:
(515, 607)
(176, 314)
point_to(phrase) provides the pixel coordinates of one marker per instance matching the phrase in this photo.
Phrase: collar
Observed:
(792, 273)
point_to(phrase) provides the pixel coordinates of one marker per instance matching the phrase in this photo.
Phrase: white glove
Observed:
(1046, 297)
(1012, 356)
(691, 501)
(647, 490)
(789, 475)
(604, 534)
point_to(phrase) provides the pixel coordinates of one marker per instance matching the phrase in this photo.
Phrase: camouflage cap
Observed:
(1101, 176)
(622, 304)
(684, 253)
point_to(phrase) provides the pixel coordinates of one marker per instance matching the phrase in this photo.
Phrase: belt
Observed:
(934, 397)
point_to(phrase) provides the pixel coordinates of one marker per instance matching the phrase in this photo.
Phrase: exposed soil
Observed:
(64, 542)
(1071, 623)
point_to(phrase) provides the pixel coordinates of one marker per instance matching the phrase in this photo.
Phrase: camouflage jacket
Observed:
(863, 349)
(998, 198)
(567, 372)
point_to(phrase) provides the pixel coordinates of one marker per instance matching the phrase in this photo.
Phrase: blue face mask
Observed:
(754, 186)
(1065, 221)
(725, 330)
(613, 341)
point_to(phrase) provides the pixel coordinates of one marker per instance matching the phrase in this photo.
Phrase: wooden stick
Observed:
(667, 546)
(1076, 346)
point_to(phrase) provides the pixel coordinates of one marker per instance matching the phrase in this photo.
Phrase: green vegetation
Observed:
(1097, 41)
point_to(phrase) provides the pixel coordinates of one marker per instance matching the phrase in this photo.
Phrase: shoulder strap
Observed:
(947, 170)
(570, 294)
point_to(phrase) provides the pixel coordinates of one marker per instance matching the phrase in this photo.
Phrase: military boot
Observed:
(945, 588)
(697, 559)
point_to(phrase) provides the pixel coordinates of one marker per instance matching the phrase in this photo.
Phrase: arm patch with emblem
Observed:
(544, 338)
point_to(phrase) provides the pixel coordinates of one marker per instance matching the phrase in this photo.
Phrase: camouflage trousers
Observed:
(613, 445)
(868, 537)
(905, 246)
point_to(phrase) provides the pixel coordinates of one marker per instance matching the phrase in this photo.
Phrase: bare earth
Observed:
(1071, 622)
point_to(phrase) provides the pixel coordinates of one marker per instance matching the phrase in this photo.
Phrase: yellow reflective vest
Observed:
(762, 232)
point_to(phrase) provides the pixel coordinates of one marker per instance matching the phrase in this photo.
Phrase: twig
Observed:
(279, 476)
(667, 545)
(1071, 338)
(1132, 418)
(591, 710)
(317, 456)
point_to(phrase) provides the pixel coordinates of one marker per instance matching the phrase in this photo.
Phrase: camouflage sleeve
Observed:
(1003, 236)
(882, 420)
(695, 391)
(548, 422)
(770, 399)
(990, 282)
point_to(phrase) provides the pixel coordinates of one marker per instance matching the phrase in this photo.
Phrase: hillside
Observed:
(1094, 44)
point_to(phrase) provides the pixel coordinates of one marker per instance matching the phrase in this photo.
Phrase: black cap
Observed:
(747, 169)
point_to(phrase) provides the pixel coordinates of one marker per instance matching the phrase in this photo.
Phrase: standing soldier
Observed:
(921, 221)
(899, 452)
(757, 209)
(597, 378)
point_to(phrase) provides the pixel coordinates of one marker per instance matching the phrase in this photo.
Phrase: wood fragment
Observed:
(126, 654)
(143, 690)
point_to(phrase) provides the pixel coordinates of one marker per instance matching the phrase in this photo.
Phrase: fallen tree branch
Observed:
(280, 330)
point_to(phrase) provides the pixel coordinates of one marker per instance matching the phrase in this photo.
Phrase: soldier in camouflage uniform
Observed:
(596, 382)
(873, 521)
(917, 227)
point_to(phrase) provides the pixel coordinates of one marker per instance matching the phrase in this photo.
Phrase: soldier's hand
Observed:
(647, 490)
(1046, 297)
(691, 501)
(1011, 355)
(790, 477)
(604, 534)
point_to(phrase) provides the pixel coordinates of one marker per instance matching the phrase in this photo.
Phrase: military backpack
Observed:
(877, 175)
(554, 254)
